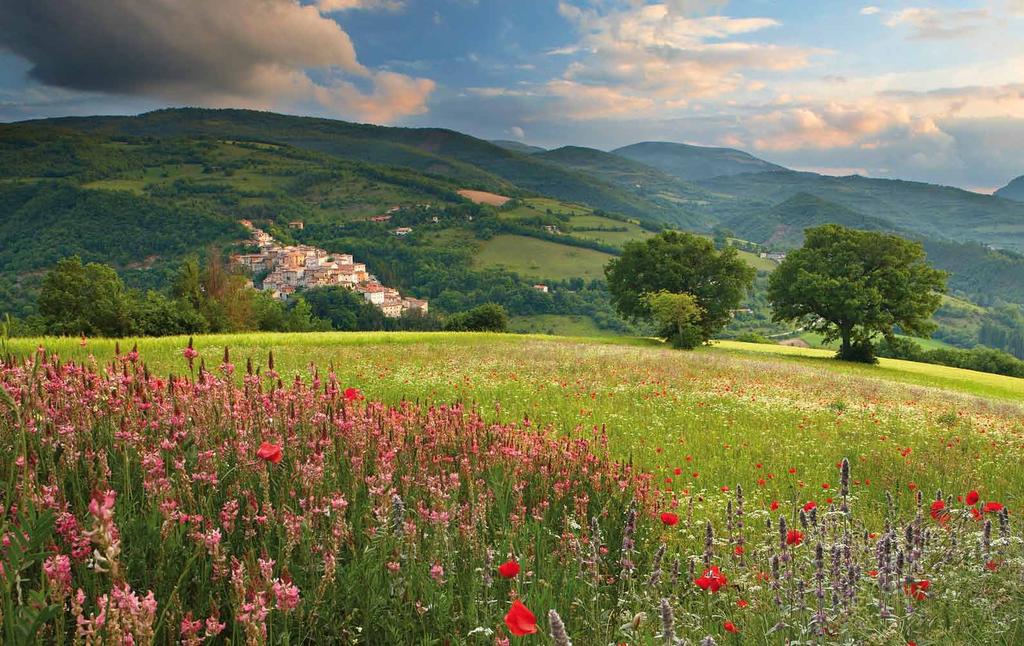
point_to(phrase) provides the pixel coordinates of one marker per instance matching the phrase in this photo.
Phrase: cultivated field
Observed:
(385, 513)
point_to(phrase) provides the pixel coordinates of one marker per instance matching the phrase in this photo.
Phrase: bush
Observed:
(489, 317)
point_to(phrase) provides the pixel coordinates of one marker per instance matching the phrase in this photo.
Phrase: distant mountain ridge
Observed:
(640, 179)
(692, 163)
(679, 185)
(1012, 191)
(517, 146)
(783, 225)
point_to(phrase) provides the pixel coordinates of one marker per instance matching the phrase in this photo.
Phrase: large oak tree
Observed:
(679, 263)
(855, 285)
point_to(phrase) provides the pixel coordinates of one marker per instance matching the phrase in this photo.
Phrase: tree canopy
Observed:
(855, 285)
(676, 316)
(679, 263)
(84, 299)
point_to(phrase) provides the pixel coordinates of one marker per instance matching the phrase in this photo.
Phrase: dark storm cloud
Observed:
(254, 52)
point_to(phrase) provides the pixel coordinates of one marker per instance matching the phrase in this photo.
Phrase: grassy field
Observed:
(685, 430)
(558, 324)
(738, 394)
(541, 259)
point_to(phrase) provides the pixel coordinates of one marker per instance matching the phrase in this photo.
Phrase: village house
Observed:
(403, 231)
(392, 307)
(414, 305)
(777, 256)
(541, 288)
(293, 267)
(297, 224)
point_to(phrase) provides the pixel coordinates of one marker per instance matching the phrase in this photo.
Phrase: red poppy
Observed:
(739, 550)
(872, 573)
(742, 603)
(508, 569)
(677, 471)
(730, 627)
(353, 394)
(975, 513)
(774, 505)
(670, 519)
(918, 589)
(972, 497)
(992, 566)
(794, 537)
(520, 620)
(270, 452)
(939, 511)
(992, 508)
(825, 485)
(712, 579)
(792, 471)
(810, 505)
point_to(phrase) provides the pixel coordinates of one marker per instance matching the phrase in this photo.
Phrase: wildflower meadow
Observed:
(468, 489)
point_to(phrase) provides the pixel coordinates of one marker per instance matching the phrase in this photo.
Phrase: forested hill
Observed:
(472, 162)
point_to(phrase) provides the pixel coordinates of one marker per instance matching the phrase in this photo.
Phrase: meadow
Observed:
(365, 488)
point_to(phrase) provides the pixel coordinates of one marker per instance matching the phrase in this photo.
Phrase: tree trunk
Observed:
(844, 331)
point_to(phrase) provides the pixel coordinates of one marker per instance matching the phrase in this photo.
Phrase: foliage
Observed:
(489, 317)
(90, 299)
(677, 317)
(679, 263)
(344, 309)
(853, 285)
(979, 358)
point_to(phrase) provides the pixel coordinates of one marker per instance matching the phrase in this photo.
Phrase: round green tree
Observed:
(854, 285)
(679, 263)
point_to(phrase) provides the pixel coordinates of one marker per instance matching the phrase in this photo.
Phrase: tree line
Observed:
(91, 299)
(861, 288)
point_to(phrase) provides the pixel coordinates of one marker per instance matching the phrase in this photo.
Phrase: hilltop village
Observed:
(288, 268)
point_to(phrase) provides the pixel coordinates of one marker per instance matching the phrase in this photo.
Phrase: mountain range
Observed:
(64, 181)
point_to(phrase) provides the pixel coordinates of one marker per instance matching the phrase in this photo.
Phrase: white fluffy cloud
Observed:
(661, 56)
(931, 24)
(273, 54)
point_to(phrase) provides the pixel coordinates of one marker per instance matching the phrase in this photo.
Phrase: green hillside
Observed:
(473, 162)
(692, 163)
(517, 146)
(938, 212)
(684, 199)
(783, 225)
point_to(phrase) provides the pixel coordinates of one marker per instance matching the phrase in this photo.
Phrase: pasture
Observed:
(395, 472)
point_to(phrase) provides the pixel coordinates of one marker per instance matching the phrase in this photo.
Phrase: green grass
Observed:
(748, 396)
(775, 420)
(614, 238)
(757, 262)
(818, 341)
(558, 324)
(541, 259)
(969, 381)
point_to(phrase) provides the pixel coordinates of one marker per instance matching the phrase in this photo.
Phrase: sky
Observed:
(926, 91)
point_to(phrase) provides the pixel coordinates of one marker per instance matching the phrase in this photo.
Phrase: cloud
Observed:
(827, 126)
(938, 24)
(328, 6)
(270, 54)
(869, 11)
(660, 54)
